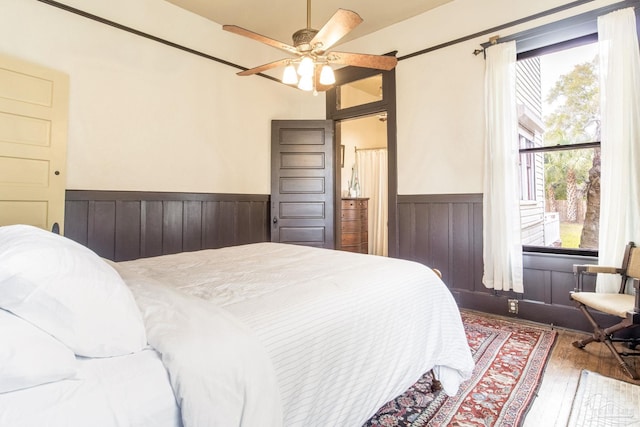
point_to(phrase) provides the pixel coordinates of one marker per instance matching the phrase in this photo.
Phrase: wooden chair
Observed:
(618, 304)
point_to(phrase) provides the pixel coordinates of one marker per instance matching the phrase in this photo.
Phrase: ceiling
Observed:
(279, 19)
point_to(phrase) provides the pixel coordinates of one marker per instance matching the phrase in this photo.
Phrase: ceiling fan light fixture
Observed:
(327, 77)
(312, 55)
(305, 69)
(305, 83)
(290, 76)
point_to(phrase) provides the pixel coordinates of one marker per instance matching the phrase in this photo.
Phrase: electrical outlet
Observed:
(513, 306)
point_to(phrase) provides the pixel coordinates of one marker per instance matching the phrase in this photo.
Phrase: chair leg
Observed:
(436, 385)
(583, 343)
(597, 330)
(603, 336)
(626, 368)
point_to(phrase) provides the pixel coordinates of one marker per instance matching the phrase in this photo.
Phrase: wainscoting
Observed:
(441, 231)
(445, 232)
(122, 225)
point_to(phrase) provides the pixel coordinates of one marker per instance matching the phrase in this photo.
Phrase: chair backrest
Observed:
(633, 270)
(631, 264)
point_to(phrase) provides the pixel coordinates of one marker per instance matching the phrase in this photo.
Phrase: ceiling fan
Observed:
(310, 68)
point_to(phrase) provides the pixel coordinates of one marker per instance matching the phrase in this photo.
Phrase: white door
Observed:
(33, 144)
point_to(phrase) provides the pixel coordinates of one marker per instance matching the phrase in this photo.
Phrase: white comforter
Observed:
(219, 371)
(344, 333)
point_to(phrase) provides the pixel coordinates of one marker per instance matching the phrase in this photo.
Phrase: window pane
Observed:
(571, 95)
(558, 97)
(567, 186)
(531, 176)
(360, 92)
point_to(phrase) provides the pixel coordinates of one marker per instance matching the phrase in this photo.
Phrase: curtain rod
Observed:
(370, 149)
(498, 28)
(148, 36)
(572, 21)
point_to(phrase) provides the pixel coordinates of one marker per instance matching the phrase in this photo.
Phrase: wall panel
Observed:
(102, 228)
(124, 225)
(440, 231)
(128, 219)
(192, 225)
(151, 228)
(445, 232)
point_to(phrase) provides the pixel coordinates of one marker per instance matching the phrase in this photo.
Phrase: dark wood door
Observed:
(302, 182)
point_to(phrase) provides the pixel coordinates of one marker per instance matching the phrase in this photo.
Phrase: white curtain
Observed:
(502, 246)
(372, 172)
(620, 140)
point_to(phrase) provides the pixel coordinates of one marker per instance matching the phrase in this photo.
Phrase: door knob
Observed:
(275, 220)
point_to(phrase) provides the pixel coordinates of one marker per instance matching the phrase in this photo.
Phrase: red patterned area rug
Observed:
(510, 359)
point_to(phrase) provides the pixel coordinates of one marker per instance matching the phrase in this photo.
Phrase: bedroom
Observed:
(148, 118)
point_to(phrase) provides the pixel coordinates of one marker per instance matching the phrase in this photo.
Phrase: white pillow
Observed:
(69, 292)
(29, 356)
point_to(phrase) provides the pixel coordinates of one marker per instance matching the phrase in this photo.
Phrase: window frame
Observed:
(552, 249)
(539, 51)
(530, 169)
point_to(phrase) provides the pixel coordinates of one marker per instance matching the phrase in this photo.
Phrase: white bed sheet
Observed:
(345, 332)
(220, 373)
(129, 391)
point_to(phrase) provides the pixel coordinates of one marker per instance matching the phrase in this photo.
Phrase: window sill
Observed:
(560, 251)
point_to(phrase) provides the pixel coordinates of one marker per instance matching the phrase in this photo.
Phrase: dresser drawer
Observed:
(354, 225)
(351, 226)
(354, 204)
(351, 214)
(349, 239)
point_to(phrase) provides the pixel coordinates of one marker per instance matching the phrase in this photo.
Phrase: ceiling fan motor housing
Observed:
(302, 38)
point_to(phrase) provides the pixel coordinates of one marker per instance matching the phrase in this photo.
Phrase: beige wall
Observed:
(144, 116)
(364, 132)
(440, 94)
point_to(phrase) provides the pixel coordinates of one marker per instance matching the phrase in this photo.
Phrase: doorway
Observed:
(362, 104)
(364, 166)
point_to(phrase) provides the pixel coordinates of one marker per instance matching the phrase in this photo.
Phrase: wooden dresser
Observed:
(355, 223)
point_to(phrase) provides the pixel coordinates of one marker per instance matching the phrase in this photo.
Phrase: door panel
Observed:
(302, 182)
(33, 140)
(302, 185)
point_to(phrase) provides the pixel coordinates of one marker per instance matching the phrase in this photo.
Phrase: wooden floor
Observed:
(552, 405)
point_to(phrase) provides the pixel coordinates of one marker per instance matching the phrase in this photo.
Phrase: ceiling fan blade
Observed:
(342, 22)
(259, 37)
(264, 67)
(379, 62)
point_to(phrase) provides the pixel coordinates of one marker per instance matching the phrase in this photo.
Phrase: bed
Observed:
(263, 334)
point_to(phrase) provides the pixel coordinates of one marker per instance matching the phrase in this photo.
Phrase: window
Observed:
(559, 140)
(528, 166)
(359, 92)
